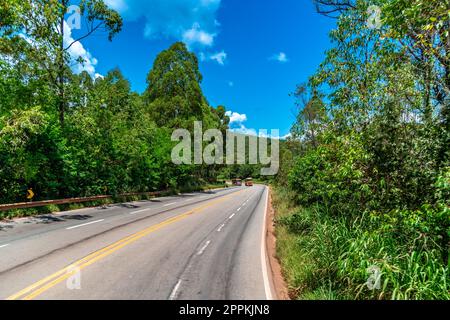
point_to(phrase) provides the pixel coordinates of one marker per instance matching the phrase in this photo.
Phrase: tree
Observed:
(422, 26)
(373, 187)
(174, 94)
(98, 18)
(36, 35)
(224, 120)
(311, 114)
(333, 8)
(419, 29)
(29, 151)
(423, 29)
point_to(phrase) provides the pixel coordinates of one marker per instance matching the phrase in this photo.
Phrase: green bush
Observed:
(331, 260)
(331, 175)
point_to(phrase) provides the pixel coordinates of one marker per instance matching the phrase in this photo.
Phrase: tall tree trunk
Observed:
(61, 63)
(428, 108)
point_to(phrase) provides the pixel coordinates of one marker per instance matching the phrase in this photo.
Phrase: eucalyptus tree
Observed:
(311, 114)
(423, 28)
(174, 94)
(34, 34)
(333, 8)
(380, 95)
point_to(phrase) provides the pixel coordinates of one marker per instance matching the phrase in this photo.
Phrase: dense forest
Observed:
(364, 190)
(67, 134)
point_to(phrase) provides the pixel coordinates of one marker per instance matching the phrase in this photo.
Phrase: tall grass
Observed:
(328, 257)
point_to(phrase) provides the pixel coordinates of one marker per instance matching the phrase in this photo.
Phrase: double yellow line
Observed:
(49, 282)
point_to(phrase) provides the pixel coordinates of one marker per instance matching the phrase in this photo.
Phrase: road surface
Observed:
(192, 246)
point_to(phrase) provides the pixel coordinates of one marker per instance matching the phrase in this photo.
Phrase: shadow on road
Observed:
(47, 219)
(3, 227)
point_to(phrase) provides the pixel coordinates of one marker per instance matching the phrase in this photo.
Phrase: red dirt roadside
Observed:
(280, 288)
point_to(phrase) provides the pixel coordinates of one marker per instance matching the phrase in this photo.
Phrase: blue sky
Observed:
(252, 52)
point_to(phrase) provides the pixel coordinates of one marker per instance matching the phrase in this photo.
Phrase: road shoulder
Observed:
(279, 284)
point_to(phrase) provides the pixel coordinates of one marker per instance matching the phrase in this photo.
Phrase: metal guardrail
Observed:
(35, 204)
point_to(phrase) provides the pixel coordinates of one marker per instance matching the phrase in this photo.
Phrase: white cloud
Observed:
(237, 126)
(77, 51)
(219, 57)
(118, 5)
(193, 21)
(197, 35)
(244, 130)
(236, 118)
(280, 57)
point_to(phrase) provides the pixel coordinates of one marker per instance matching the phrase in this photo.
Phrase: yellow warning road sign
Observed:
(30, 194)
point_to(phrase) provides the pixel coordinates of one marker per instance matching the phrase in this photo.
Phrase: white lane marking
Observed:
(169, 204)
(231, 217)
(139, 211)
(200, 252)
(221, 227)
(239, 209)
(263, 252)
(85, 224)
(174, 293)
(4, 245)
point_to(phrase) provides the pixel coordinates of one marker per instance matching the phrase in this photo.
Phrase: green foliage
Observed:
(32, 40)
(311, 114)
(69, 135)
(331, 174)
(329, 258)
(97, 11)
(370, 178)
(174, 94)
(29, 149)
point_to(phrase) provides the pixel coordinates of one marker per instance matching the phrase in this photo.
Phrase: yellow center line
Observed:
(45, 284)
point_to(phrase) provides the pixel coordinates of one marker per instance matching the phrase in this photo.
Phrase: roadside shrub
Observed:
(331, 175)
(333, 255)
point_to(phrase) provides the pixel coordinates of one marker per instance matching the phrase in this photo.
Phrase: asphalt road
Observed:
(193, 246)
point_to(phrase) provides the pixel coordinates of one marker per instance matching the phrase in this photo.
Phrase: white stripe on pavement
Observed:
(169, 204)
(174, 293)
(200, 252)
(4, 245)
(139, 211)
(265, 272)
(85, 224)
